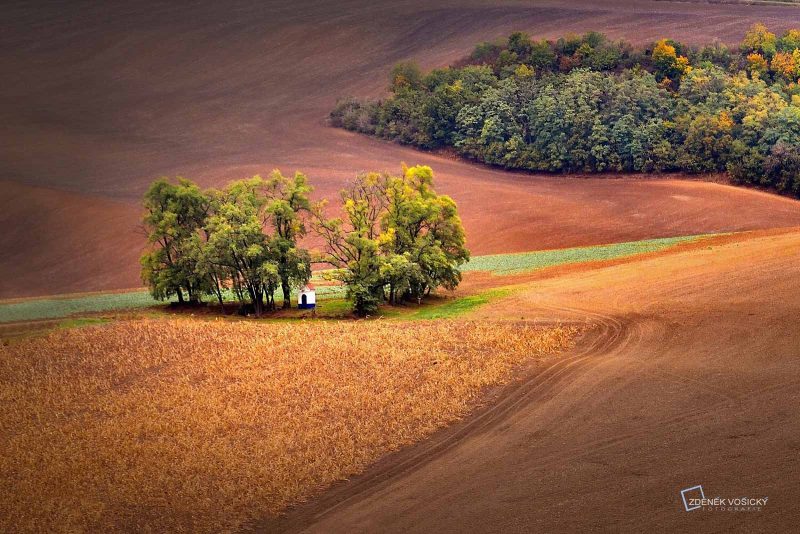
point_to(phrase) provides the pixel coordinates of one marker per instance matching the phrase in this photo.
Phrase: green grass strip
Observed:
(56, 307)
(460, 306)
(531, 261)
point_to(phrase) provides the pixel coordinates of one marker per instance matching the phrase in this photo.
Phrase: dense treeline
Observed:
(398, 239)
(588, 104)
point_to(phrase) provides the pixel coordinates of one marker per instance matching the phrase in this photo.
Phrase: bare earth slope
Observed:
(100, 99)
(691, 378)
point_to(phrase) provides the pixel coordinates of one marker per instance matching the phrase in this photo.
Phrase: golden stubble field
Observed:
(189, 425)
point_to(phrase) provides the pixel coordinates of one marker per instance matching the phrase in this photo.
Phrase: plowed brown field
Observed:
(690, 378)
(99, 99)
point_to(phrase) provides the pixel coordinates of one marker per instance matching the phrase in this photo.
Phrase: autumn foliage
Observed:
(589, 104)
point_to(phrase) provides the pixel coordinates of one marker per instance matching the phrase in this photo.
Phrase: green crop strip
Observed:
(531, 261)
(56, 307)
(52, 308)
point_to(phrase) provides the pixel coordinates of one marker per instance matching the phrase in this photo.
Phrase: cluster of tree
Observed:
(242, 238)
(398, 239)
(588, 104)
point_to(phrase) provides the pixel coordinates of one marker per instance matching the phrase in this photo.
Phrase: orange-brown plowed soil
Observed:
(689, 377)
(98, 99)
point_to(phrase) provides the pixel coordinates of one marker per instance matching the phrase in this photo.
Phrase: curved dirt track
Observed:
(100, 99)
(690, 376)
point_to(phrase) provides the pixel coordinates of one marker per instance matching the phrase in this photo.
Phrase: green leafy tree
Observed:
(668, 63)
(287, 202)
(397, 239)
(424, 228)
(782, 168)
(707, 142)
(174, 214)
(759, 39)
(238, 246)
(745, 164)
(520, 44)
(542, 57)
(351, 241)
(405, 75)
(789, 41)
(485, 53)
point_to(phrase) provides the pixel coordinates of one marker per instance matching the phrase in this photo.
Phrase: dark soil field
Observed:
(690, 377)
(685, 370)
(100, 99)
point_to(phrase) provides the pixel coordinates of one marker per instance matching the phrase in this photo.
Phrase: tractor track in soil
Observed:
(685, 373)
(603, 333)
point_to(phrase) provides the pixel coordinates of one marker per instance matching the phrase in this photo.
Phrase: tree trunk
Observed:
(193, 296)
(287, 294)
(180, 296)
(258, 304)
(218, 292)
(239, 293)
(221, 303)
(257, 299)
